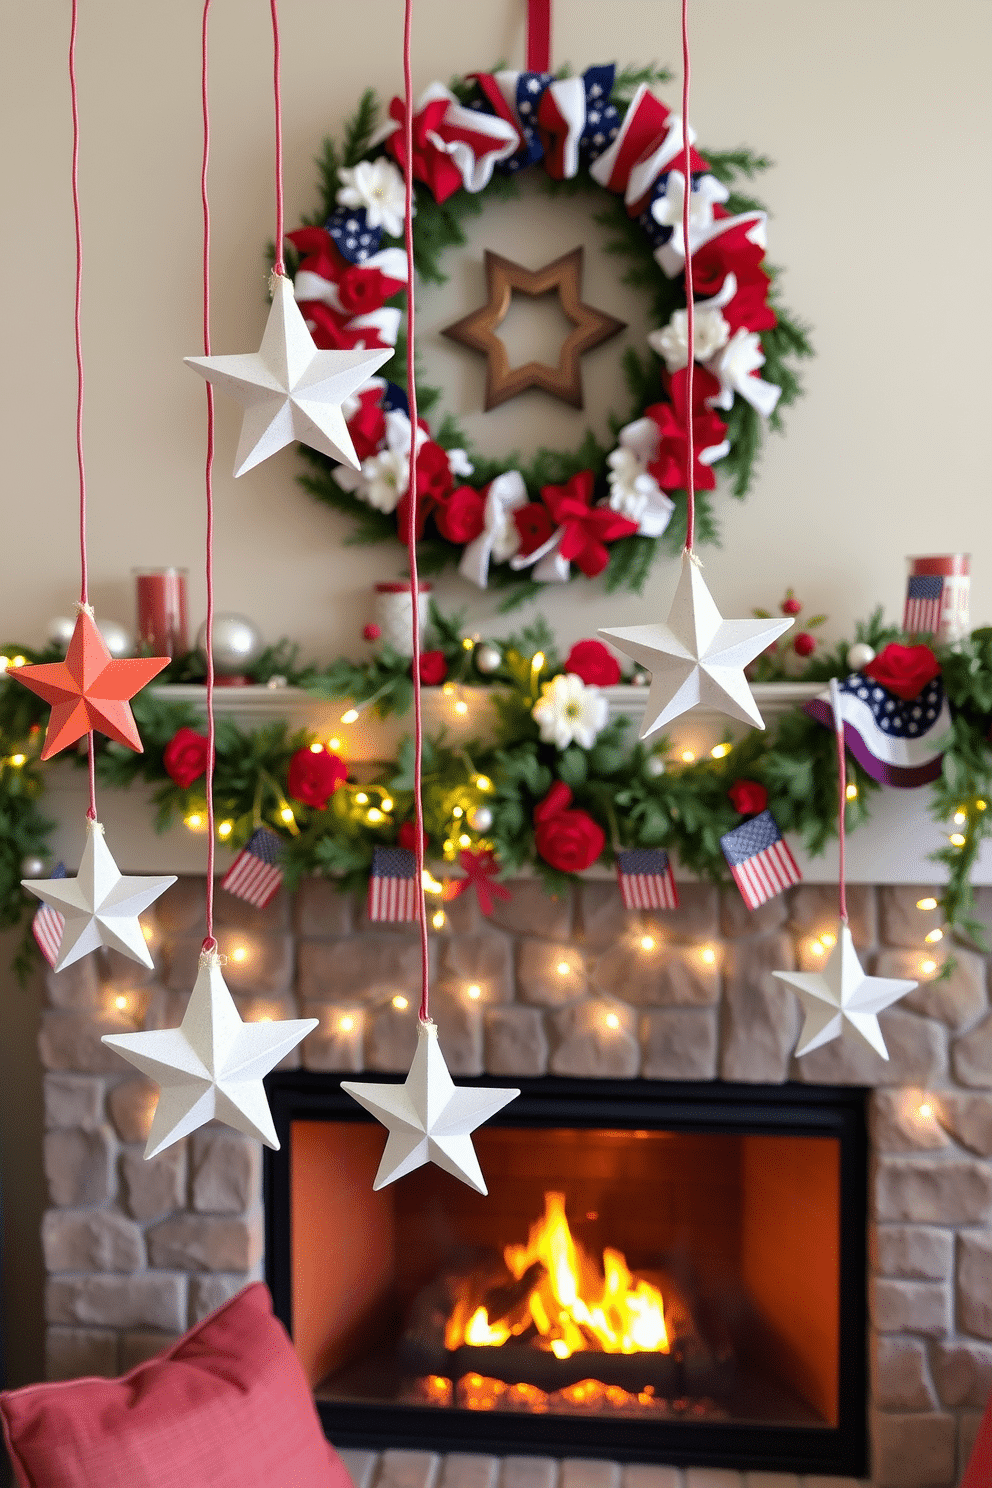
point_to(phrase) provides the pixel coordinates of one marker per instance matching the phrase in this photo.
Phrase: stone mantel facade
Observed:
(137, 1251)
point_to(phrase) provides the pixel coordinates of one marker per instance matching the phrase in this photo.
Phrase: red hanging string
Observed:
(841, 792)
(279, 266)
(690, 482)
(210, 943)
(538, 35)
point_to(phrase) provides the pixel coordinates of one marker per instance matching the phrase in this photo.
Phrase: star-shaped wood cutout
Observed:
(89, 690)
(478, 330)
(842, 994)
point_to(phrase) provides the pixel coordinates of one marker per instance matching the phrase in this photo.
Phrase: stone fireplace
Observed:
(575, 989)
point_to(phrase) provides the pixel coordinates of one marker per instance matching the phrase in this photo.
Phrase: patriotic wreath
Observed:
(602, 509)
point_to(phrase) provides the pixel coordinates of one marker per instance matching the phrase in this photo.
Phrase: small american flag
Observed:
(255, 874)
(761, 863)
(645, 878)
(48, 924)
(393, 885)
(924, 593)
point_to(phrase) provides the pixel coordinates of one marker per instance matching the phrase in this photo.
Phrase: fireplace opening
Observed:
(658, 1272)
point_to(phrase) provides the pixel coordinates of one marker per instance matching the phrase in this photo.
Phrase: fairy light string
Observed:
(690, 478)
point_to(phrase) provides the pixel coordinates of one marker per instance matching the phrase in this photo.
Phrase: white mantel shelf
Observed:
(892, 848)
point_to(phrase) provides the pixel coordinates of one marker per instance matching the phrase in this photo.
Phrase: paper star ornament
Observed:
(100, 905)
(696, 659)
(90, 689)
(428, 1117)
(211, 1066)
(842, 994)
(290, 390)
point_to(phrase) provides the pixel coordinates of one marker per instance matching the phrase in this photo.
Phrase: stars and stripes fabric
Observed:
(645, 878)
(255, 874)
(759, 859)
(923, 596)
(557, 119)
(393, 885)
(897, 741)
(48, 924)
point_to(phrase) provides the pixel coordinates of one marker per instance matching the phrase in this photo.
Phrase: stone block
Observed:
(268, 968)
(468, 1470)
(910, 1306)
(761, 1017)
(738, 922)
(232, 913)
(898, 1125)
(405, 1469)
(78, 1166)
(459, 1029)
(194, 1242)
(665, 976)
(98, 1240)
(515, 1042)
(954, 1191)
(71, 1041)
(649, 1475)
(969, 1119)
(913, 1451)
(971, 1056)
(531, 910)
(137, 1347)
(962, 1373)
(360, 1464)
(975, 1284)
(207, 1293)
(337, 1041)
(73, 1101)
(529, 1472)
(712, 1477)
(917, 1055)
(679, 1044)
(813, 910)
(77, 988)
(601, 917)
(391, 1036)
(583, 1044)
(785, 1480)
(322, 910)
(181, 910)
(550, 974)
(132, 1105)
(155, 1187)
(484, 959)
(901, 923)
(227, 1171)
(147, 1300)
(369, 969)
(71, 1353)
(582, 1472)
(956, 1000)
(914, 1251)
(900, 1377)
(969, 1423)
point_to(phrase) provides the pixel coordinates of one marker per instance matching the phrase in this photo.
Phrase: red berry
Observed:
(804, 644)
(791, 606)
(371, 633)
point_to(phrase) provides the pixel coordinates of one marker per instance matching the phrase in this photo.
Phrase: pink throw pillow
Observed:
(227, 1406)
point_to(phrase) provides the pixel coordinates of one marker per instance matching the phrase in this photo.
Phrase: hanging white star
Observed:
(289, 389)
(696, 659)
(840, 994)
(211, 1066)
(428, 1117)
(100, 905)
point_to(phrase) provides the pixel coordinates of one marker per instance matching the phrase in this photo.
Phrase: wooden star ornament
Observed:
(90, 690)
(478, 330)
(842, 995)
(429, 1118)
(289, 390)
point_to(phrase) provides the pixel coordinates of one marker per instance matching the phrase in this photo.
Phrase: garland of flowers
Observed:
(555, 789)
(602, 509)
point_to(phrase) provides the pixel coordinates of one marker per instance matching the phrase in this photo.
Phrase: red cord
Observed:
(209, 944)
(411, 534)
(690, 485)
(842, 794)
(280, 262)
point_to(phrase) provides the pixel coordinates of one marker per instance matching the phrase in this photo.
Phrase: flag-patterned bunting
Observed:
(645, 878)
(48, 924)
(255, 874)
(759, 859)
(393, 885)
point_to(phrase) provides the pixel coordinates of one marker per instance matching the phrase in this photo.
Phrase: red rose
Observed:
(367, 426)
(804, 644)
(593, 663)
(314, 777)
(904, 670)
(733, 252)
(462, 516)
(363, 290)
(185, 756)
(748, 796)
(567, 839)
(433, 668)
(533, 523)
(407, 836)
(433, 472)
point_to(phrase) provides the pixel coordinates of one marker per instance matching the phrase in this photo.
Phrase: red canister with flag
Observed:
(937, 596)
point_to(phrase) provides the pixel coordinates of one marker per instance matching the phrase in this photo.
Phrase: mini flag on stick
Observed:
(759, 859)
(393, 885)
(48, 924)
(645, 878)
(923, 595)
(255, 874)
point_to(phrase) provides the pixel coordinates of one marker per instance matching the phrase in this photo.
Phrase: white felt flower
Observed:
(384, 479)
(459, 463)
(377, 186)
(667, 210)
(710, 333)
(735, 366)
(634, 492)
(568, 710)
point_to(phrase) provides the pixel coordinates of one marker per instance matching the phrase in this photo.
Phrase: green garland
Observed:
(686, 809)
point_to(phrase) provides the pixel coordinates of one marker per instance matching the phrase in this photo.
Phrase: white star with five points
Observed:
(288, 388)
(841, 994)
(428, 1117)
(696, 659)
(211, 1066)
(100, 905)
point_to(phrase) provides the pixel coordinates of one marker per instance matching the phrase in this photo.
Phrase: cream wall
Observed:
(876, 111)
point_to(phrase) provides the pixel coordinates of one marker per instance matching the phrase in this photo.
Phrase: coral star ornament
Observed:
(100, 905)
(428, 1117)
(840, 994)
(90, 689)
(697, 658)
(211, 1067)
(290, 390)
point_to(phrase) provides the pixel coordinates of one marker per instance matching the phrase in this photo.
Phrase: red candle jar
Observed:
(161, 602)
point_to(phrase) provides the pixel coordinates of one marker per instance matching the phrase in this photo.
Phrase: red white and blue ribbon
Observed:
(897, 742)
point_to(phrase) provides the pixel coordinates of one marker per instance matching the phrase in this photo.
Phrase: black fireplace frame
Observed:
(710, 1107)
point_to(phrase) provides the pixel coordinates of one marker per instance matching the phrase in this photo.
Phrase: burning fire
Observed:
(573, 1303)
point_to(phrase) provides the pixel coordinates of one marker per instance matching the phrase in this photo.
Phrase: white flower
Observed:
(459, 462)
(734, 367)
(567, 709)
(634, 492)
(667, 210)
(377, 186)
(710, 333)
(385, 477)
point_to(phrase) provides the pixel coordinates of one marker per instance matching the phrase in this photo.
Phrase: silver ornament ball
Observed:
(117, 638)
(59, 631)
(33, 867)
(237, 643)
(655, 766)
(480, 819)
(639, 679)
(859, 655)
(488, 658)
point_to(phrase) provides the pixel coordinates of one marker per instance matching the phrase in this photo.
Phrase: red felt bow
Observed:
(432, 163)
(708, 431)
(733, 252)
(588, 528)
(481, 868)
